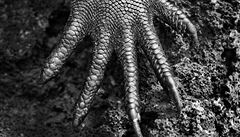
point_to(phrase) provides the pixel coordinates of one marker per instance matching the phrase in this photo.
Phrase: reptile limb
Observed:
(116, 26)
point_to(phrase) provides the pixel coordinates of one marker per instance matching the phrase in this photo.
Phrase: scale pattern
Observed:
(116, 25)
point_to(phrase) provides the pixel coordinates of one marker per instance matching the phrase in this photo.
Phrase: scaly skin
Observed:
(116, 25)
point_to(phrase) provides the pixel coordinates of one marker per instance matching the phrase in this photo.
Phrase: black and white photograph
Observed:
(119, 68)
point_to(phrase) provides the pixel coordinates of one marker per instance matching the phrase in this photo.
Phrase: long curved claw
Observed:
(74, 32)
(137, 128)
(156, 56)
(171, 15)
(172, 88)
(128, 59)
(102, 53)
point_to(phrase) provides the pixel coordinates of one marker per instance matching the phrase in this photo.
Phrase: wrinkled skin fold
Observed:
(116, 26)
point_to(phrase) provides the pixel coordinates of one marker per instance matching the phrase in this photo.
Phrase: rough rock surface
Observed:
(208, 76)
